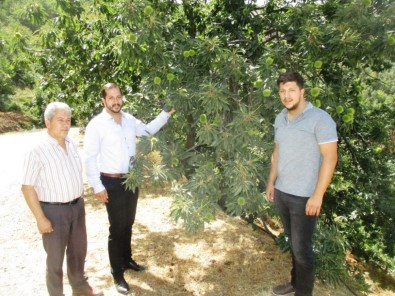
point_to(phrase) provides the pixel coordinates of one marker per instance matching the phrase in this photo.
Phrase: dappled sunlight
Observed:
(227, 258)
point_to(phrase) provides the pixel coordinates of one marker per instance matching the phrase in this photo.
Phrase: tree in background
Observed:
(17, 28)
(217, 63)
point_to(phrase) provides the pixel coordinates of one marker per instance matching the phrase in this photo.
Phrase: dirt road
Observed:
(22, 258)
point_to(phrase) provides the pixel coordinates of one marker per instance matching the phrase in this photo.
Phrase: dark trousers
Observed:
(300, 229)
(68, 237)
(121, 210)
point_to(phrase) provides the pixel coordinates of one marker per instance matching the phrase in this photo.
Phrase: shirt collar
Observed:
(308, 107)
(53, 141)
(107, 116)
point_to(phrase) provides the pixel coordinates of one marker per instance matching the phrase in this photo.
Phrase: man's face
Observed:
(291, 95)
(113, 100)
(59, 126)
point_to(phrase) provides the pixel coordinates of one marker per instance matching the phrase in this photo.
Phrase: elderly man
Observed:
(52, 186)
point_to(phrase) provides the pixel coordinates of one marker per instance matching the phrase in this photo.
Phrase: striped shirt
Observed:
(55, 174)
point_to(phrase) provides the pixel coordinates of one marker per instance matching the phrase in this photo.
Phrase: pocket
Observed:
(112, 184)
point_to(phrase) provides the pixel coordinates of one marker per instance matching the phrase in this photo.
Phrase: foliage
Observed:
(217, 63)
(330, 248)
(16, 29)
(361, 200)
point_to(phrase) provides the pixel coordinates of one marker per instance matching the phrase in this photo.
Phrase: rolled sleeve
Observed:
(154, 126)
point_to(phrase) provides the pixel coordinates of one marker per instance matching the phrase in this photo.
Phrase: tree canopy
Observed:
(217, 62)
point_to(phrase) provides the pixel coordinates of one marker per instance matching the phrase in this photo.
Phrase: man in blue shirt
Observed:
(302, 166)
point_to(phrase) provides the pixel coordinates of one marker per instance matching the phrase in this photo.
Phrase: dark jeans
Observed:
(299, 228)
(121, 210)
(68, 237)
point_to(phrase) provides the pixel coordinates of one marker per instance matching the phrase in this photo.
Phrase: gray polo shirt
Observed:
(299, 157)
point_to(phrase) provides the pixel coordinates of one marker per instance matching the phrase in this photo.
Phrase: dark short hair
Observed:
(291, 76)
(106, 87)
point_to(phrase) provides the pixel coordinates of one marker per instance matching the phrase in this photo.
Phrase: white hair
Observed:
(53, 107)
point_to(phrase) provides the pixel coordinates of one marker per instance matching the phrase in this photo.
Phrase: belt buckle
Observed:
(74, 201)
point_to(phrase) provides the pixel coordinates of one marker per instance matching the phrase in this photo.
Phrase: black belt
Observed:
(74, 201)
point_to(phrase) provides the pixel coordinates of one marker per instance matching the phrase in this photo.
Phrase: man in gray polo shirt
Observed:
(302, 166)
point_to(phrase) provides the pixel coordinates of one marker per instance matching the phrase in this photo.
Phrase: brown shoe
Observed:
(285, 289)
(86, 291)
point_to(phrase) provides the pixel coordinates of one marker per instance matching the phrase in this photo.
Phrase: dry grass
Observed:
(227, 258)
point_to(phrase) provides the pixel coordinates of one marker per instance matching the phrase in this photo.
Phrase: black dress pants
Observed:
(121, 210)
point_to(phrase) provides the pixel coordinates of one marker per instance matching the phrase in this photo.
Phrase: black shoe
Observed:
(285, 289)
(121, 285)
(134, 266)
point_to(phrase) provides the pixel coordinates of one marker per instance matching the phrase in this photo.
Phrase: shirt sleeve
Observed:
(275, 127)
(91, 152)
(153, 127)
(325, 130)
(31, 168)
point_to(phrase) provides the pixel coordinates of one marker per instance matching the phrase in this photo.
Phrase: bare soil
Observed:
(228, 258)
(13, 121)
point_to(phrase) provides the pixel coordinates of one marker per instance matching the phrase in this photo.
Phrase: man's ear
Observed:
(47, 123)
